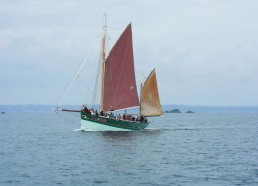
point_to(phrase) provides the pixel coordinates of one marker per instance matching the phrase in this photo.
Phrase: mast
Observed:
(103, 58)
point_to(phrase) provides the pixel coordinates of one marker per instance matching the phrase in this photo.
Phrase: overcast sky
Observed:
(205, 51)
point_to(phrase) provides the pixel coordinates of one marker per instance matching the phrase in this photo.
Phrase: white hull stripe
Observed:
(87, 125)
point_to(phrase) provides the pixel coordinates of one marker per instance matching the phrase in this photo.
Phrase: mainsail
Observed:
(150, 103)
(120, 91)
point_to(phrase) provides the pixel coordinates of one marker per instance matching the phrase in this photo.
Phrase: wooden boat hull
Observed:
(93, 123)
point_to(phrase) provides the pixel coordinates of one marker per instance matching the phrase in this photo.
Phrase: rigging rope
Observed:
(77, 74)
(84, 83)
(65, 118)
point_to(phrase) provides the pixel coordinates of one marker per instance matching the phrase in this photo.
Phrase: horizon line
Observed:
(161, 105)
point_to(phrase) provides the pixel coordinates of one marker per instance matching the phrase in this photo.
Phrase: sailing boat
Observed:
(119, 91)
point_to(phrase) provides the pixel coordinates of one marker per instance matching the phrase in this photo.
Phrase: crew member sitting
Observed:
(111, 115)
(96, 113)
(101, 113)
(133, 118)
(92, 112)
(124, 117)
(119, 117)
(85, 109)
(141, 118)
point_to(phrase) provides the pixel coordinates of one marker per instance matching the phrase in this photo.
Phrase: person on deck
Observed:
(111, 115)
(92, 112)
(101, 113)
(119, 117)
(124, 117)
(133, 118)
(85, 109)
(141, 118)
(96, 113)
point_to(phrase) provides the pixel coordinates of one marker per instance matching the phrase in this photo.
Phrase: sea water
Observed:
(44, 148)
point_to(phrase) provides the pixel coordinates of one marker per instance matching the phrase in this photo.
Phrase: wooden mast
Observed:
(103, 58)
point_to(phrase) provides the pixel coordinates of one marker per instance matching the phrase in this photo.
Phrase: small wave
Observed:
(151, 129)
(173, 129)
(186, 129)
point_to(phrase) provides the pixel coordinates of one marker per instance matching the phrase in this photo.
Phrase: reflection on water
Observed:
(129, 135)
(119, 135)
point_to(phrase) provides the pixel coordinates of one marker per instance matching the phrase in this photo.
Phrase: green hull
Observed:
(107, 124)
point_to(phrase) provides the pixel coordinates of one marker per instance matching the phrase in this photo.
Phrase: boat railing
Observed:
(90, 116)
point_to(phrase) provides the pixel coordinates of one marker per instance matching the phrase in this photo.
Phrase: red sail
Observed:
(120, 89)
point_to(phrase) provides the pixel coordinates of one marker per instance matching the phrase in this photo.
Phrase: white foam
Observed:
(77, 129)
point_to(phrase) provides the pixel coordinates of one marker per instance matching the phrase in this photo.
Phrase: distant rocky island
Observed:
(173, 111)
(178, 111)
(189, 111)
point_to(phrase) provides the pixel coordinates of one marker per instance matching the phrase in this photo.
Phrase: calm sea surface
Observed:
(179, 149)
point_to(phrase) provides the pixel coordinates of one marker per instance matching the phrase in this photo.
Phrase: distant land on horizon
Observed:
(183, 108)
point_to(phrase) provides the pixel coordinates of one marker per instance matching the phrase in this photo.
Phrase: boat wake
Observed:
(151, 129)
(181, 128)
(144, 130)
(77, 130)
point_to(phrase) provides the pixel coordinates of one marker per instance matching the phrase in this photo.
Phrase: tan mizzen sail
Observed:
(150, 103)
